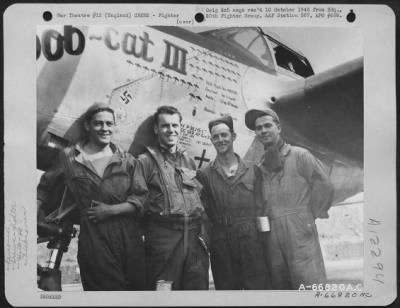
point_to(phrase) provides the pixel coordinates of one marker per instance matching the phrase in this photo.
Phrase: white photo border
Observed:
(377, 24)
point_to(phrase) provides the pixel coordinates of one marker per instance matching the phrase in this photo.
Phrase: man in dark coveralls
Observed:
(101, 179)
(237, 259)
(173, 212)
(295, 191)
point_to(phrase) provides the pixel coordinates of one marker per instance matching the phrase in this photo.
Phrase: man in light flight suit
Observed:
(295, 190)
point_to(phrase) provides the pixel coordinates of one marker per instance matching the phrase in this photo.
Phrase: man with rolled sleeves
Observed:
(236, 253)
(295, 191)
(103, 180)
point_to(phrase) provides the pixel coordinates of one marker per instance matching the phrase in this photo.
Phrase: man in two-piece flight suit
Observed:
(236, 252)
(295, 190)
(173, 212)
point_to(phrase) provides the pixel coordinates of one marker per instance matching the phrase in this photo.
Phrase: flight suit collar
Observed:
(116, 158)
(242, 169)
(180, 151)
(276, 163)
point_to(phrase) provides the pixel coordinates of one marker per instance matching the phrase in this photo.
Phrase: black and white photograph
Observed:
(243, 108)
(223, 160)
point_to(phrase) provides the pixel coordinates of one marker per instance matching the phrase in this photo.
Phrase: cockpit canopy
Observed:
(266, 50)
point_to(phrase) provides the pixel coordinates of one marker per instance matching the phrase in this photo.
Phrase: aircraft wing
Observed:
(329, 110)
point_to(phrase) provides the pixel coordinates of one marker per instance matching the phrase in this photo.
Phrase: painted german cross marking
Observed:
(202, 159)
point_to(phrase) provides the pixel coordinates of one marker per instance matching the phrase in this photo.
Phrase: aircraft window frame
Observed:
(267, 52)
(269, 64)
(298, 67)
(292, 62)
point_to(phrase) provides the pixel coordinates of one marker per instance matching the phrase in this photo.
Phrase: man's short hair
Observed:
(166, 110)
(227, 120)
(96, 108)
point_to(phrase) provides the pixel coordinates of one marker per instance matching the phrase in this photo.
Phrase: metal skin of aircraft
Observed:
(205, 75)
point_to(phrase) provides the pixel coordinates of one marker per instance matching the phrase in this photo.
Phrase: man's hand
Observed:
(100, 212)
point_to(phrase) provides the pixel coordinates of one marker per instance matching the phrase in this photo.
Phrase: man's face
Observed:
(222, 138)
(100, 128)
(267, 131)
(168, 129)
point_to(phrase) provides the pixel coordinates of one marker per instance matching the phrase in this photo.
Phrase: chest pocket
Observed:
(190, 191)
(244, 197)
(85, 188)
(117, 185)
(248, 186)
(188, 179)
